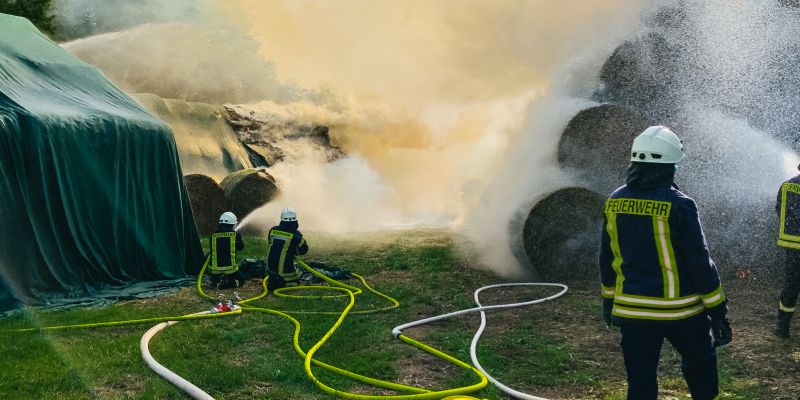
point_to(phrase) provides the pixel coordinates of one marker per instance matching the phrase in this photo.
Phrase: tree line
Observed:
(37, 11)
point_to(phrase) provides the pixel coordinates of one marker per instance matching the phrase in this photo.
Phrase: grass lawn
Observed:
(558, 350)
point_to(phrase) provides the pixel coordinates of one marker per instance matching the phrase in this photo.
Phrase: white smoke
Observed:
(451, 113)
(530, 170)
(339, 197)
(194, 62)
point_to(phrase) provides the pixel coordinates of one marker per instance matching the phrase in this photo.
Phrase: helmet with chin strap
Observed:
(657, 144)
(228, 218)
(288, 214)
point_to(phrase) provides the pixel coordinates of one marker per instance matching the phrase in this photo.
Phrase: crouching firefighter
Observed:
(225, 242)
(657, 279)
(788, 208)
(285, 242)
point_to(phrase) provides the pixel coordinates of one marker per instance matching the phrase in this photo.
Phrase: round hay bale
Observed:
(249, 189)
(643, 74)
(561, 235)
(595, 146)
(208, 201)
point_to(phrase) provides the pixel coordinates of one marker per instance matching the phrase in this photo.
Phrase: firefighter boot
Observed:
(784, 318)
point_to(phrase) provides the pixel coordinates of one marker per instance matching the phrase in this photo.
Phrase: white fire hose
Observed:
(173, 378)
(198, 394)
(473, 346)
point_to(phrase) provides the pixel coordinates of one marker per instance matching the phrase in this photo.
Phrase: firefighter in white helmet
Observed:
(285, 242)
(657, 278)
(224, 243)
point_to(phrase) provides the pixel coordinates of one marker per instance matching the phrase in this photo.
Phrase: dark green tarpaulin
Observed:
(92, 200)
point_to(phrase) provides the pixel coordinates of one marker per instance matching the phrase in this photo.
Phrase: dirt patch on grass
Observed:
(424, 371)
(755, 351)
(392, 276)
(128, 387)
(238, 361)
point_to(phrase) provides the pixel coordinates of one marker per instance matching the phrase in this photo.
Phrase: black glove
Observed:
(722, 332)
(720, 327)
(608, 318)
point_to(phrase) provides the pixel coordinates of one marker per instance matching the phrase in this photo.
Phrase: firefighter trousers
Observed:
(641, 348)
(791, 286)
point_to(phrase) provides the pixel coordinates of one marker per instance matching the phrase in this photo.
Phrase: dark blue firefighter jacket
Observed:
(654, 260)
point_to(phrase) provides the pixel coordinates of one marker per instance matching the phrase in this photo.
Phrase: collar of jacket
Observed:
(289, 226)
(650, 175)
(225, 228)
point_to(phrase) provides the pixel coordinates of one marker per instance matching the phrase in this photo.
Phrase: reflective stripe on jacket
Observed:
(788, 208)
(284, 245)
(654, 261)
(223, 253)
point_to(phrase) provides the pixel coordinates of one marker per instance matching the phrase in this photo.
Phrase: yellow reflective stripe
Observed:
(638, 207)
(282, 234)
(791, 187)
(666, 257)
(224, 270)
(674, 261)
(213, 252)
(714, 298)
(790, 244)
(665, 315)
(785, 239)
(287, 241)
(606, 291)
(786, 309)
(216, 269)
(292, 276)
(660, 211)
(657, 302)
(611, 228)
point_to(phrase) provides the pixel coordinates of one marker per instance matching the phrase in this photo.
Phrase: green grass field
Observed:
(558, 350)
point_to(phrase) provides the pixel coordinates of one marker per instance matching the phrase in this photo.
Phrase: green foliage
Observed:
(37, 11)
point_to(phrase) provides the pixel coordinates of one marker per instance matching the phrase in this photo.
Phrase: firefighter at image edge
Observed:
(657, 278)
(788, 208)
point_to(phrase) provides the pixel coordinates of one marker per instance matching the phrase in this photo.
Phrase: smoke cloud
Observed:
(207, 63)
(451, 110)
(455, 107)
(422, 53)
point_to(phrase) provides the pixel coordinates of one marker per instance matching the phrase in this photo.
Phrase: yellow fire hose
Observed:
(345, 290)
(308, 358)
(128, 322)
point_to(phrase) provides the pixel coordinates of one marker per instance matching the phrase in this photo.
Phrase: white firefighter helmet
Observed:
(228, 218)
(657, 144)
(288, 214)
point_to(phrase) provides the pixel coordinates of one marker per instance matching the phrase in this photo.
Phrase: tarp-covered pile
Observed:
(92, 201)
